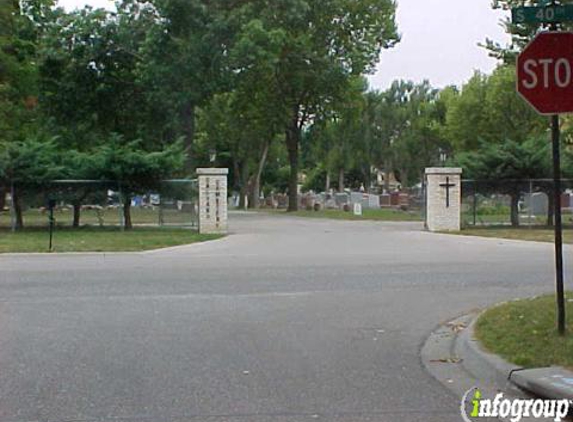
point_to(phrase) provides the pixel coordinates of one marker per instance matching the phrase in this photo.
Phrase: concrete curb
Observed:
(453, 356)
(479, 362)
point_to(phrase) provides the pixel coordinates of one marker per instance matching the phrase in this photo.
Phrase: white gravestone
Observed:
(373, 202)
(443, 199)
(213, 200)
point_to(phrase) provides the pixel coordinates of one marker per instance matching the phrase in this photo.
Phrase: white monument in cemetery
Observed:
(212, 200)
(443, 199)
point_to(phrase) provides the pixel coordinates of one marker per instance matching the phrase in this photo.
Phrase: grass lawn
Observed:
(378, 215)
(525, 333)
(98, 239)
(540, 234)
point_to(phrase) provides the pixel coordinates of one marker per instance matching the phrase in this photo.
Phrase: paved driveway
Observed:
(287, 320)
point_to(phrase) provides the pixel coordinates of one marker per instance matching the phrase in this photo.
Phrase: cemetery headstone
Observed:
(373, 202)
(539, 203)
(356, 197)
(282, 201)
(330, 202)
(395, 199)
(341, 199)
(566, 200)
(385, 200)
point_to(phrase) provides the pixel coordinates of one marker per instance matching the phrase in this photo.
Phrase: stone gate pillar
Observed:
(212, 200)
(443, 199)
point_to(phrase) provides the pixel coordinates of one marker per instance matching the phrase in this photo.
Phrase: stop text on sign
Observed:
(545, 73)
(549, 72)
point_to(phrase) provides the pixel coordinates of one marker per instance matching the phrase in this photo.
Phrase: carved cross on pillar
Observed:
(447, 186)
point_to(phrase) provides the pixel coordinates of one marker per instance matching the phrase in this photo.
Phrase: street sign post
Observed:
(545, 80)
(542, 14)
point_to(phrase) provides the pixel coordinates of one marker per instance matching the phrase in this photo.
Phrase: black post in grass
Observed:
(51, 206)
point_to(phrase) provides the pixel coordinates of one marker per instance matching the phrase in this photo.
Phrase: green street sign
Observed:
(546, 14)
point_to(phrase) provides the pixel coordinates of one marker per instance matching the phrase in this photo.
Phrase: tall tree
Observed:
(503, 167)
(136, 170)
(312, 48)
(28, 165)
(239, 125)
(18, 75)
(183, 64)
(89, 68)
(337, 139)
(489, 109)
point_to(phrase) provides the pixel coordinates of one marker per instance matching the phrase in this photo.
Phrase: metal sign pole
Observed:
(556, 140)
(51, 205)
(550, 98)
(555, 137)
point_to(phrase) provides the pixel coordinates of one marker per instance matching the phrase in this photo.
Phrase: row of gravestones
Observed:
(538, 202)
(338, 201)
(443, 200)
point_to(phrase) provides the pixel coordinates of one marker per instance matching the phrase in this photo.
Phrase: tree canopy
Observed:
(276, 91)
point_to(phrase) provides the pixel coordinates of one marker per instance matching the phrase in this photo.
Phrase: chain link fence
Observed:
(80, 203)
(528, 202)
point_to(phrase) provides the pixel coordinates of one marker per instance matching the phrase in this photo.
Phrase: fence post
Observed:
(51, 206)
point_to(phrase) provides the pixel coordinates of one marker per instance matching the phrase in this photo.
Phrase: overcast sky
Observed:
(439, 40)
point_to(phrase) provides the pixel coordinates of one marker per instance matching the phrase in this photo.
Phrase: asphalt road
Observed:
(286, 320)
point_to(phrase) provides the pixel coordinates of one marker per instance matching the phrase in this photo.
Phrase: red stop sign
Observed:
(545, 73)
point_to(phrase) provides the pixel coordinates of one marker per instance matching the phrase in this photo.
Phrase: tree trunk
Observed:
(367, 179)
(236, 174)
(2, 198)
(244, 185)
(188, 121)
(327, 187)
(17, 204)
(77, 212)
(550, 208)
(404, 179)
(292, 144)
(341, 180)
(127, 223)
(256, 191)
(387, 177)
(515, 210)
